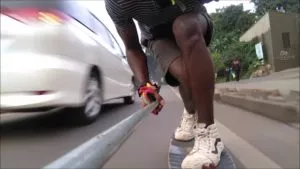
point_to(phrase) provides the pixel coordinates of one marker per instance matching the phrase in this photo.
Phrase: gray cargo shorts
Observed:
(165, 50)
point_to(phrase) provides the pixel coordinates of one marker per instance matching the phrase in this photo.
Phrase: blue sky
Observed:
(98, 8)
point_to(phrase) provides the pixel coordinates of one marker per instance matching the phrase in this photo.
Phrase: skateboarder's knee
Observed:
(187, 29)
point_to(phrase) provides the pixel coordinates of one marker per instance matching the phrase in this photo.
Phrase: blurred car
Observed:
(58, 54)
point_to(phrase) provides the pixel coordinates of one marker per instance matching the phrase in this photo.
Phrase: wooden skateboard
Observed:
(178, 150)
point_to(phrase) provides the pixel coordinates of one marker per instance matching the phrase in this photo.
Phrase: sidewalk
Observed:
(275, 96)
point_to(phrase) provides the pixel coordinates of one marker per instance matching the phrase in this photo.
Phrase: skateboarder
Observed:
(178, 33)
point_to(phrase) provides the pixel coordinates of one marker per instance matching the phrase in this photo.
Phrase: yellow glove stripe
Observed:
(146, 101)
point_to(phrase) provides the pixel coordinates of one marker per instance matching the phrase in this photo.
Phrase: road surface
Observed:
(35, 140)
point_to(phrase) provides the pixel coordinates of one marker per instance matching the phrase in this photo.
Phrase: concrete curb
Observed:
(281, 111)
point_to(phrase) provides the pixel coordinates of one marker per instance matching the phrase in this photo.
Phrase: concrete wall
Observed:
(262, 31)
(266, 40)
(289, 57)
(269, 31)
(260, 27)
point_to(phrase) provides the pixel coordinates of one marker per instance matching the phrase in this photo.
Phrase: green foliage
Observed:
(230, 23)
(233, 18)
(263, 6)
(252, 68)
(244, 51)
(218, 61)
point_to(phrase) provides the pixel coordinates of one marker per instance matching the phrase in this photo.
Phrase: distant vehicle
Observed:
(58, 54)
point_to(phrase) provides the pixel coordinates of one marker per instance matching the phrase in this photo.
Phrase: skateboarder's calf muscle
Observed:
(178, 34)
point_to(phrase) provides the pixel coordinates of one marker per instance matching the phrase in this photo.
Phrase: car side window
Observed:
(100, 30)
(104, 34)
(115, 45)
(77, 11)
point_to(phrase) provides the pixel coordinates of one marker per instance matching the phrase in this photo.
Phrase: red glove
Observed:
(149, 94)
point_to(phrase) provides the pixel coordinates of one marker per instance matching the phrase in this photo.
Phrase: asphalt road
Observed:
(34, 140)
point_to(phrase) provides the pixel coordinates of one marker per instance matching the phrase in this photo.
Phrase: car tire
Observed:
(131, 99)
(93, 100)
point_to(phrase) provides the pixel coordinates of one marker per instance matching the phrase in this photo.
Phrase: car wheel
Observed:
(93, 100)
(131, 99)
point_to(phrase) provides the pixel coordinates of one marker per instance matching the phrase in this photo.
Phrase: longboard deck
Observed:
(178, 150)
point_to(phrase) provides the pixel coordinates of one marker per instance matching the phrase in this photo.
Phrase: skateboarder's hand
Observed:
(150, 93)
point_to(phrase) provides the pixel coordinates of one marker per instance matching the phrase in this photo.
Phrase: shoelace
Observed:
(186, 122)
(204, 140)
(201, 143)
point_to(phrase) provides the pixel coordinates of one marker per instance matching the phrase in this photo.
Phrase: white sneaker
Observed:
(185, 130)
(207, 148)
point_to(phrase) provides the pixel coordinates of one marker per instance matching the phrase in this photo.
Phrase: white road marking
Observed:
(247, 154)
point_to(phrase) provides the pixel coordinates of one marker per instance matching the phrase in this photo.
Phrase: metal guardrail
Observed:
(95, 152)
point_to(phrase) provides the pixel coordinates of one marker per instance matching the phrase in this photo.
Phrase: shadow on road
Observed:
(45, 123)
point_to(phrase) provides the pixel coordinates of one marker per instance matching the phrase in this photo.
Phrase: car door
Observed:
(110, 64)
(125, 73)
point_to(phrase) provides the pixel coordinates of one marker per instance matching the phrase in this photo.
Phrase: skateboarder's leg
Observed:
(168, 57)
(189, 117)
(190, 31)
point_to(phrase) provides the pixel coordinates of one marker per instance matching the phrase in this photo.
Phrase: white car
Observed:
(58, 54)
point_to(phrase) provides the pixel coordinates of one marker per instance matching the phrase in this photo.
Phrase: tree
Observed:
(242, 50)
(229, 24)
(263, 6)
(218, 61)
